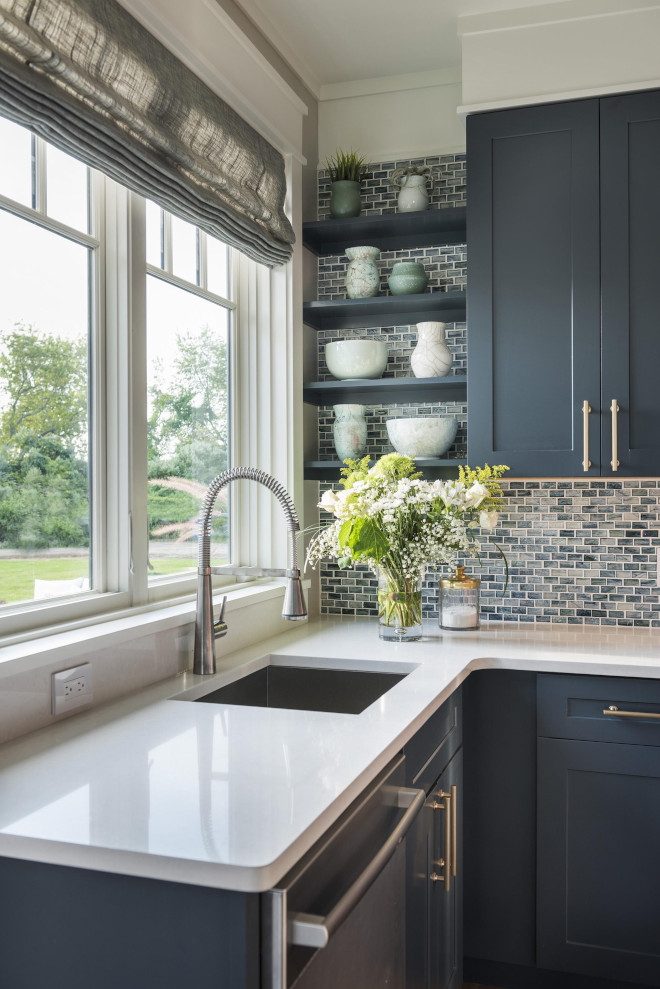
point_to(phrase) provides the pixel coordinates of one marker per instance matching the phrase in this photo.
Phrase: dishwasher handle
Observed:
(312, 931)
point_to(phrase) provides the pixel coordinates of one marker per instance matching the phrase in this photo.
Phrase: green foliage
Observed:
(45, 380)
(44, 497)
(346, 166)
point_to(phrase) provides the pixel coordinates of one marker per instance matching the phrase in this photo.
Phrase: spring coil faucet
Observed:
(294, 608)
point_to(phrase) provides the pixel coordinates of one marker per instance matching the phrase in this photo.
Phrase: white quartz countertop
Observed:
(231, 797)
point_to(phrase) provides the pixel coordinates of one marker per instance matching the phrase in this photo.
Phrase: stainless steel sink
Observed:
(305, 688)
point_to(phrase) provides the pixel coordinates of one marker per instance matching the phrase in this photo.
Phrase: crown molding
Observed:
(390, 84)
(259, 15)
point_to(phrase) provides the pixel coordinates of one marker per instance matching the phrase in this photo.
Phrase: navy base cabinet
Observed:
(598, 895)
(66, 928)
(434, 909)
(599, 859)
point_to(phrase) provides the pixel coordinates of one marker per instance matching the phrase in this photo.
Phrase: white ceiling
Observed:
(335, 41)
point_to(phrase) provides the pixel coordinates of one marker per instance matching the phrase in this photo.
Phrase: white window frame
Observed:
(265, 425)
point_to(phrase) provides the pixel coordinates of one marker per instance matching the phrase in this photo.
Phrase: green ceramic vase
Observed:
(344, 198)
(407, 278)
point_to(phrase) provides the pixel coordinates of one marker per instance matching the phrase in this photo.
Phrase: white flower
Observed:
(328, 501)
(488, 520)
(452, 493)
(476, 494)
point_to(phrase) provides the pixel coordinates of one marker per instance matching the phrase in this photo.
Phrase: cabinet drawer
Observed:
(429, 751)
(574, 706)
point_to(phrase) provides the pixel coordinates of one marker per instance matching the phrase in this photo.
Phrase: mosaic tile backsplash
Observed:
(579, 552)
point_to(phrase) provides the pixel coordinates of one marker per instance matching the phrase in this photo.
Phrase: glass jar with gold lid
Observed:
(459, 601)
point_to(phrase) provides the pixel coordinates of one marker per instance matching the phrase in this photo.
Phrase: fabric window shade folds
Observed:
(86, 76)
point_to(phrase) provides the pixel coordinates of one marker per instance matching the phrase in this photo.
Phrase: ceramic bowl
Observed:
(348, 359)
(407, 278)
(423, 436)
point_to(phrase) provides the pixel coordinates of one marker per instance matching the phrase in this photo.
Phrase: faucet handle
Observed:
(220, 627)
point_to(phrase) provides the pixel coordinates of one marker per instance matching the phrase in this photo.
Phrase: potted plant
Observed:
(346, 171)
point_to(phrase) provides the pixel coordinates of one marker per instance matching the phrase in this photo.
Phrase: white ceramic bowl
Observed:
(424, 436)
(356, 358)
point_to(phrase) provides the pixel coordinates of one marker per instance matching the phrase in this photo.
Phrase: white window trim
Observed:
(266, 422)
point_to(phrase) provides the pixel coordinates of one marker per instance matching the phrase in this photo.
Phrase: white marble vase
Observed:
(350, 431)
(362, 277)
(431, 358)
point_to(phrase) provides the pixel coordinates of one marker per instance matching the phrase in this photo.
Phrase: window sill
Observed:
(68, 643)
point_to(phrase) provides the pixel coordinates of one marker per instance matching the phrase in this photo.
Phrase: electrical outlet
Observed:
(71, 688)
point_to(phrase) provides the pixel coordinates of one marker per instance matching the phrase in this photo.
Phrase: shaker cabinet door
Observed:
(598, 894)
(434, 939)
(630, 262)
(533, 288)
(446, 910)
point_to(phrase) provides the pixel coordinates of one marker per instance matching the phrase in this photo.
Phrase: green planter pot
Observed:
(344, 198)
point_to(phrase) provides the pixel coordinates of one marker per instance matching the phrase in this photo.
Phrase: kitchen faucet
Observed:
(294, 608)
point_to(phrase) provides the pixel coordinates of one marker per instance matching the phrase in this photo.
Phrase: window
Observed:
(46, 328)
(188, 333)
(116, 324)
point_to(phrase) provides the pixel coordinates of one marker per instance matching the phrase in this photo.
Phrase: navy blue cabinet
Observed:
(599, 859)
(434, 946)
(630, 231)
(598, 895)
(563, 233)
(434, 911)
(533, 287)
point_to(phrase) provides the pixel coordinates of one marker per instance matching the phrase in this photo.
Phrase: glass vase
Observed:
(399, 606)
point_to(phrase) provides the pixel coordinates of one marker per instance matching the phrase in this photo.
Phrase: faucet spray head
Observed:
(294, 608)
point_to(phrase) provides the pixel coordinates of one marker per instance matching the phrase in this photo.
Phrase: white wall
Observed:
(559, 51)
(396, 117)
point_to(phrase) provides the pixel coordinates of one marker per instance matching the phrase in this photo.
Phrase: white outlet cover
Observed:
(71, 688)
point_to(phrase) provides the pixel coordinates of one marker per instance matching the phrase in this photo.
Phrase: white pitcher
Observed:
(431, 358)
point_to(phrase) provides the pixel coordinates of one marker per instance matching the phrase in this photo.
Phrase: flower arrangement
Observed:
(387, 517)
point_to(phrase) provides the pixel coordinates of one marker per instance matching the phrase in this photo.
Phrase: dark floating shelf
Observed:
(373, 391)
(390, 231)
(344, 314)
(328, 470)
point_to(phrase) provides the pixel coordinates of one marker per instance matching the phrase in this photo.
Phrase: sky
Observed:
(44, 275)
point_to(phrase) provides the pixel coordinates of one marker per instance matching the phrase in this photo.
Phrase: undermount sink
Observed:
(306, 688)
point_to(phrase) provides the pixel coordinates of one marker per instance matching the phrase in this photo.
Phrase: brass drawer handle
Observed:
(586, 409)
(614, 712)
(454, 832)
(614, 409)
(450, 841)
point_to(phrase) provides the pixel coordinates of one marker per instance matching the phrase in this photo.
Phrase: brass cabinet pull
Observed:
(614, 409)
(446, 862)
(614, 712)
(454, 831)
(586, 409)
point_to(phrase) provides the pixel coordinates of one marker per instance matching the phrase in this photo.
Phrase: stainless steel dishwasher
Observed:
(337, 920)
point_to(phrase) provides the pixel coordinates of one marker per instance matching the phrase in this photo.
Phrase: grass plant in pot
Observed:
(346, 170)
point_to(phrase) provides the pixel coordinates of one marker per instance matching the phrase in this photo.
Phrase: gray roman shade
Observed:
(86, 76)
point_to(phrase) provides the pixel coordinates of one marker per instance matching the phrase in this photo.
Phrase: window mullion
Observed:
(40, 194)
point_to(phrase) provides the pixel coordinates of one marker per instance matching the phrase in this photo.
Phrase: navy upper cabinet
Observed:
(630, 232)
(533, 287)
(563, 233)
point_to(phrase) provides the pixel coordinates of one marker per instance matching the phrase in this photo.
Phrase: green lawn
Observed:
(17, 576)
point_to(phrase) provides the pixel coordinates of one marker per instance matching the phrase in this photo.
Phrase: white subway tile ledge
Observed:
(231, 797)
